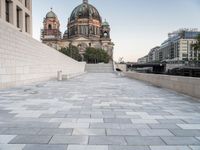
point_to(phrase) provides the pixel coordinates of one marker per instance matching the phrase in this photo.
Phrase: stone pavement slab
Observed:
(144, 141)
(181, 141)
(189, 126)
(170, 148)
(12, 147)
(31, 139)
(4, 139)
(118, 132)
(107, 140)
(97, 132)
(61, 139)
(87, 147)
(45, 147)
(128, 148)
(181, 132)
(100, 112)
(195, 147)
(155, 132)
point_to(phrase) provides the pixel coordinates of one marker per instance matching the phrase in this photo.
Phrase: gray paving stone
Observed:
(12, 147)
(169, 121)
(74, 125)
(155, 132)
(181, 141)
(181, 132)
(134, 126)
(164, 126)
(195, 147)
(61, 139)
(104, 125)
(30, 139)
(169, 148)
(189, 126)
(145, 121)
(128, 148)
(119, 132)
(87, 147)
(21, 131)
(55, 132)
(2, 130)
(146, 141)
(89, 132)
(4, 139)
(45, 147)
(107, 140)
(117, 120)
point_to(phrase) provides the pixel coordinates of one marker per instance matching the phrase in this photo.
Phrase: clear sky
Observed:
(137, 25)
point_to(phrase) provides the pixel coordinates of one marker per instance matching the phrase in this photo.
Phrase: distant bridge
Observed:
(156, 67)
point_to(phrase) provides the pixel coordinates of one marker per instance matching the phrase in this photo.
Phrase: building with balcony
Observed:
(177, 48)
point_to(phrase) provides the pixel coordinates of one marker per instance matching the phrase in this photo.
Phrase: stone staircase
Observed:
(99, 68)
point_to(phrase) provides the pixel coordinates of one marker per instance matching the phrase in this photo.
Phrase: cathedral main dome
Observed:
(85, 10)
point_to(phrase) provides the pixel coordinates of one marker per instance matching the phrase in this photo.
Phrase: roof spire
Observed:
(51, 8)
(85, 1)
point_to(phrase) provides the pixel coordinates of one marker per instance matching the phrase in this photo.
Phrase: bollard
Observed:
(59, 76)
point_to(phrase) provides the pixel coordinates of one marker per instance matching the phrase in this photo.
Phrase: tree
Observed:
(93, 55)
(196, 46)
(71, 51)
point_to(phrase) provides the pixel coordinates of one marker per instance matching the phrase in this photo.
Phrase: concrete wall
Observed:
(24, 60)
(186, 85)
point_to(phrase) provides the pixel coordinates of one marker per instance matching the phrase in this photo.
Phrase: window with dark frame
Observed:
(7, 3)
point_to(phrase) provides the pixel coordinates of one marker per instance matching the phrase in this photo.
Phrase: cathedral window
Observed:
(50, 26)
(105, 34)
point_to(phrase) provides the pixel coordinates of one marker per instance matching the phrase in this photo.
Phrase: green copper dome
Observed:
(105, 23)
(85, 10)
(51, 14)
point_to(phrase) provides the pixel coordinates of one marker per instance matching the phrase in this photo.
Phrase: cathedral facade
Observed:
(85, 28)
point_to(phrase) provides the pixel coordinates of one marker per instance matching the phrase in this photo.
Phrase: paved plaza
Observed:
(98, 112)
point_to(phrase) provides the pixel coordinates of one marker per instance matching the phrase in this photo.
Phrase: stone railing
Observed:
(186, 85)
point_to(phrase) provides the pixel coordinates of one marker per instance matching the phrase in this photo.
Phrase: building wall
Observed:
(24, 60)
(21, 8)
(185, 85)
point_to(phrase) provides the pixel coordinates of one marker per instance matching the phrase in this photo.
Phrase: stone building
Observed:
(85, 28)
(18, 13)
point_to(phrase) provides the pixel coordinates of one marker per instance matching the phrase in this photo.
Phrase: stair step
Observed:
(99, 68)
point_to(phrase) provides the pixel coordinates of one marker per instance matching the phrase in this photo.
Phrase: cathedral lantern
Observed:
(105, 30)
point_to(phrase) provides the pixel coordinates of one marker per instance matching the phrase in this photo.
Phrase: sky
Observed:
(136, 25)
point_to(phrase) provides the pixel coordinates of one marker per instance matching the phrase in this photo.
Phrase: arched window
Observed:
(105, 34)
(50, 27)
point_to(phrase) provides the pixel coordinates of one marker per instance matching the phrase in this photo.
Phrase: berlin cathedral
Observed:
(85, 28)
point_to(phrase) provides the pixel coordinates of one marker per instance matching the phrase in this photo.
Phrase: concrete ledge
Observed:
(186, 85)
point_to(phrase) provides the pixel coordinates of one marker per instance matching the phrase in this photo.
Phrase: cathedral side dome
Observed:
(51, 14)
